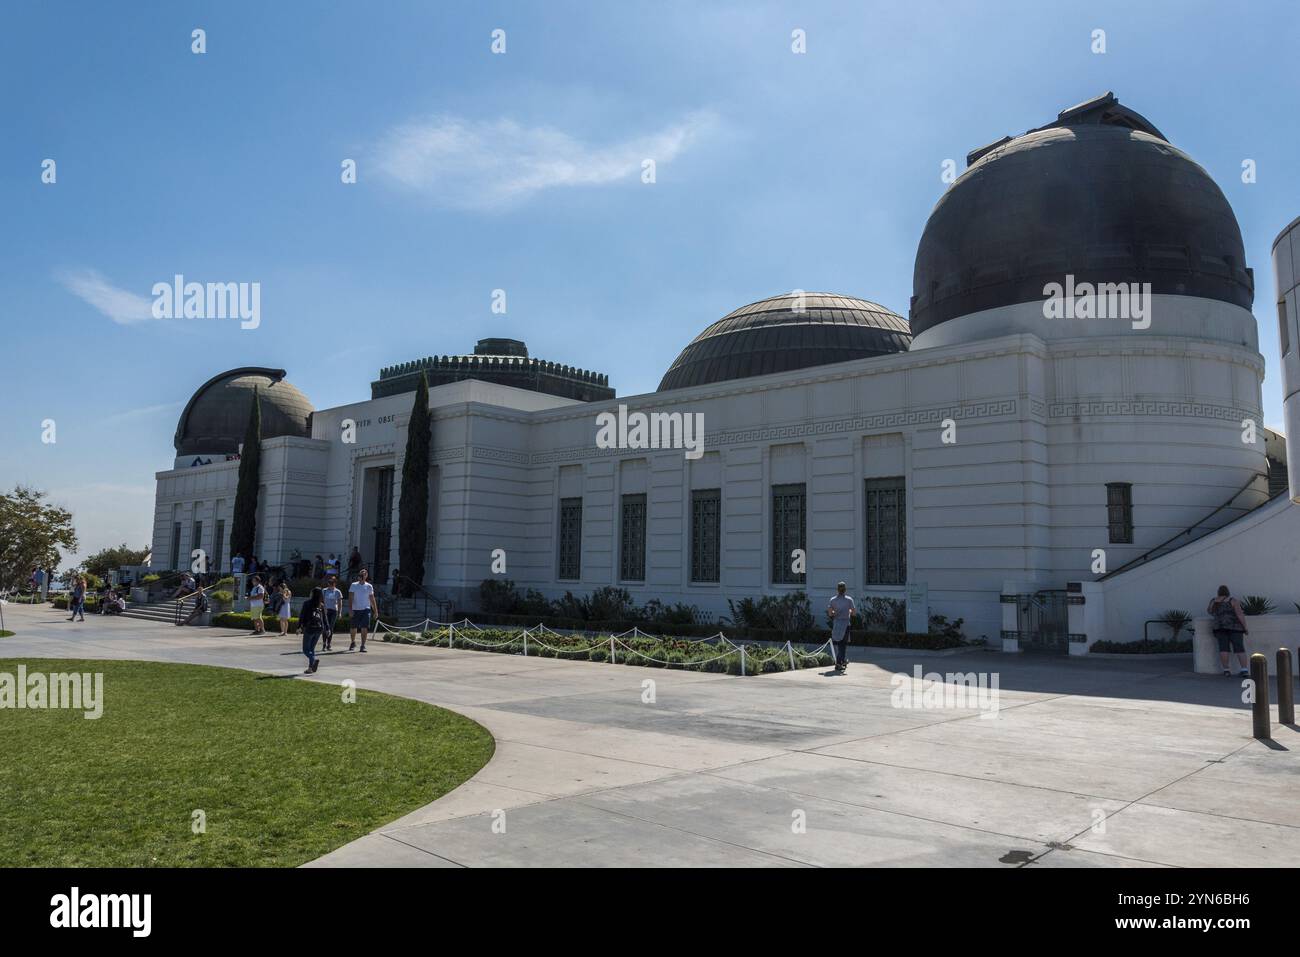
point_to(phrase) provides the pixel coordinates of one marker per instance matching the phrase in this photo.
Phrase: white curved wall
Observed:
(1184, 317)
(1286, 279)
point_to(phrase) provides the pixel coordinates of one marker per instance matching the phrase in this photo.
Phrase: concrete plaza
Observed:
(1087, 763)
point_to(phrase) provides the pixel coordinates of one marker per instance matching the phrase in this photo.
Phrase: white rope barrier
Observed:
(430, 632)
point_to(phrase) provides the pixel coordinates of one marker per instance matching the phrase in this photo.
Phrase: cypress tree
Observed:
(243, 525)
(413, 507)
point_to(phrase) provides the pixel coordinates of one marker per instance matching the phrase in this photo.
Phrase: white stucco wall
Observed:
(1041, 425)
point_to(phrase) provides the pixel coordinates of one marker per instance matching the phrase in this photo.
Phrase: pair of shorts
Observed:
(1230, 640)
(255, 610)
(361, 619)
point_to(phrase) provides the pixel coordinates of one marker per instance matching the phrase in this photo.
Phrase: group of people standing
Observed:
(319, 614)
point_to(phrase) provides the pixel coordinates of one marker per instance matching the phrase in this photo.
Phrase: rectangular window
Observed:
(1283, 327)
(570, 559)
(218, 544)
(788, 524)
(197, 540)
(631, 559)
(706, 534)
(1119, 512)
(886, 519)
(176, 545)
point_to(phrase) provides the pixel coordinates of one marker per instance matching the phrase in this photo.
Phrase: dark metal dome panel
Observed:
(1099, 194)
(216, 416)
(770, 336)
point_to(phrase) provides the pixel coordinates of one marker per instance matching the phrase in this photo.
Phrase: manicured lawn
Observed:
(283, 769)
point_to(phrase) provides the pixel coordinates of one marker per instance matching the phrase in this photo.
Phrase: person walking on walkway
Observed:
(362, 594)
(256, 602)
(1229, 623)
(333, 601)
(311, 621)
(841, 610)
(77, 601)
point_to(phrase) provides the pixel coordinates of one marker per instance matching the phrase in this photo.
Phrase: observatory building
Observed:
(1061, 439)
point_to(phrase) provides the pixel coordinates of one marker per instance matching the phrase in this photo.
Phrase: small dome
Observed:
(771, 336)
(1100, 194)
(216, 417)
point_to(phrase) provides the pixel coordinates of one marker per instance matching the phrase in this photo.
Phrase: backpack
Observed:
(1225, 619)
(313, 620)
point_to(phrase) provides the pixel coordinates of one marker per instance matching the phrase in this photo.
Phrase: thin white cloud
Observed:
(490, 164)
(124, 308)
(144, 411)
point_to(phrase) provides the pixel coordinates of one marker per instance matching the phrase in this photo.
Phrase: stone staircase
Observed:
(408, 611)
(163, 611)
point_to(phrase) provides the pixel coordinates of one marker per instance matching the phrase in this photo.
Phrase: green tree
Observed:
(32, 533)
(110, 559)
(413, 507)
(243, 524)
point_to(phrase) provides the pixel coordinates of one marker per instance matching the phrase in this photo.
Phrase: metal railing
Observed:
(423, 598)
(1157, 552)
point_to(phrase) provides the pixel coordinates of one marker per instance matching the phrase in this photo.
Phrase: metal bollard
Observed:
(1259, 677)
(1285, 689)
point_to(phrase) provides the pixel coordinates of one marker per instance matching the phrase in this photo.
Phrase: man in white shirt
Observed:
(841, 610)
(237, 565)
(333, 601)
(362, 595)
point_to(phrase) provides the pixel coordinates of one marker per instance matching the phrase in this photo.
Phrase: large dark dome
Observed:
(770, 336)
(215, 418)
(1099, 194)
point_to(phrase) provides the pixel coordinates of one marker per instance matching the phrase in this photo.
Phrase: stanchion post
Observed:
(1285, 688)
(742, 661)
(1259, 677)
(790, 648)
(611, 651)
(451, 635)
(525, 642)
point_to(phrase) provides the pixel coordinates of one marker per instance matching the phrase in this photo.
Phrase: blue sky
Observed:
(522, 172)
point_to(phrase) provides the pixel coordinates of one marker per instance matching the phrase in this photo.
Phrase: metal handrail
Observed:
(443, 605)
(1150, 554)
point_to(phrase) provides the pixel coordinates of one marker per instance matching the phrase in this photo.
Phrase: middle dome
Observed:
(771, 336)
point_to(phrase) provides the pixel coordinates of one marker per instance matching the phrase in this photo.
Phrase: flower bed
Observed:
(720, 656)
(816, 636)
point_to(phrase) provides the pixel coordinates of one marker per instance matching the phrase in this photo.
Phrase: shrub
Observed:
(940, 625)
(1177, 620)
(885, 614)
(791, 613)
(301, 587)
(1257, 605)
(221, 596)
(150, 579)
(609, 602)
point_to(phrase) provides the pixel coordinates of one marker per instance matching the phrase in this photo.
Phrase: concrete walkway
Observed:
(1086, 764)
